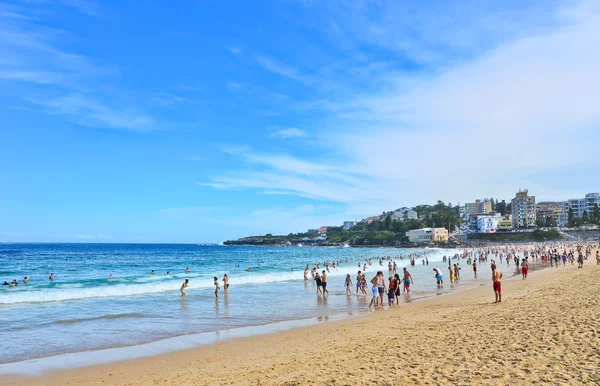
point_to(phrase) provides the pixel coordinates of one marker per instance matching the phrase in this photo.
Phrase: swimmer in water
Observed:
(152, 273)
(187, 270)
(249, 270)
(51, 276)
(184, 286)
(110, 276)
(25, 280)
(168, 272)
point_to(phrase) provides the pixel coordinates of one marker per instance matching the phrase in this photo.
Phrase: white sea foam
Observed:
(148, 285)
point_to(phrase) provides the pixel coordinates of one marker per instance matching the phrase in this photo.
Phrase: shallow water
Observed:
(84, 310)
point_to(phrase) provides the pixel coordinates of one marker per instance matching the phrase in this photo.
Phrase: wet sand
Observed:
(545, 331)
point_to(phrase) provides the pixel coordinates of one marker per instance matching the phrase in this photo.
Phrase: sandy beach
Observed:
(546, 331)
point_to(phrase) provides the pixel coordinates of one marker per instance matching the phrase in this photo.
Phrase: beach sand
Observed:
(546, 331)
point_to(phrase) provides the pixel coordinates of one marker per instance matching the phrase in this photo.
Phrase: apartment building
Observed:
(581, 205)
(523, 210)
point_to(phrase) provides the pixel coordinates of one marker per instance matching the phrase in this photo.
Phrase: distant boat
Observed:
(299, 244)
(346, 245)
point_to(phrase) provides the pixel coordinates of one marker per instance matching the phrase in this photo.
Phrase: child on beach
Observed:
(391, 291)
(375, 298)
(451, 274)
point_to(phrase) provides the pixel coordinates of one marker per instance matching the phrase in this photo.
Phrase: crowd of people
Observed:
(397, 283)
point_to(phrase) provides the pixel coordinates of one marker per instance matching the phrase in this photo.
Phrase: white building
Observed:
(426, 235)
(587, 204)
(349, 224)
(405, 213)
(488, 224)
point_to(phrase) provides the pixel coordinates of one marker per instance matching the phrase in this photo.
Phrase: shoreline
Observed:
(298, 340)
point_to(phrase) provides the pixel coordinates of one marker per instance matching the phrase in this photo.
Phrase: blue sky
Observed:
(199, 121)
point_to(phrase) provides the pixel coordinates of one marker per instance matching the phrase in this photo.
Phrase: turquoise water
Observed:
(82, 309)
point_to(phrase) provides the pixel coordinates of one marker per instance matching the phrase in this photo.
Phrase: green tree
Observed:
(585, 218)
(596, 215)
(539, 221)
(388, 223)
(571, 214)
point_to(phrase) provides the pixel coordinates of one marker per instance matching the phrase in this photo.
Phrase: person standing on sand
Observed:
(497, 284)
(183, 287)
(397, 289)
(597, 257)
(580, 260)
(475, 269)
(524, 268)
(358, 280)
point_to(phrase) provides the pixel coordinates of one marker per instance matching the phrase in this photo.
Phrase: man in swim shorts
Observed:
(524, 268)
(324, 283)
(497, 277)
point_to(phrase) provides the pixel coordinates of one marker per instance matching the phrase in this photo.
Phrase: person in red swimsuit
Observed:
(497, 276)
(524, 268)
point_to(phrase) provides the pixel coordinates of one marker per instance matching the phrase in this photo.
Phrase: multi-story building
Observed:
(478, 207)
(349, 224)
(523, 210)
(471, 209)
(553, 210)
(426, 235)
(582, 205)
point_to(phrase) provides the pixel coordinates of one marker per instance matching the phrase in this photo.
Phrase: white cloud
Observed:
(233, 86)
(234, 50)
(486, 126)
(282, 69)
(291, 132)
(36, 67)
(88, 112)
(166, 99)
(13, 234)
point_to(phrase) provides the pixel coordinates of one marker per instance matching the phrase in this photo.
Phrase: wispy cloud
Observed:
(39, 71)
(13, 234)
(233, 86)
(87, 7)
(88, 112)
(282, 69)
(234, 50)
(291, 132)
(166, 99)
(502, 116)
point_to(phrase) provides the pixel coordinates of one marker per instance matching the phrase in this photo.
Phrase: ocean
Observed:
(82, 309)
